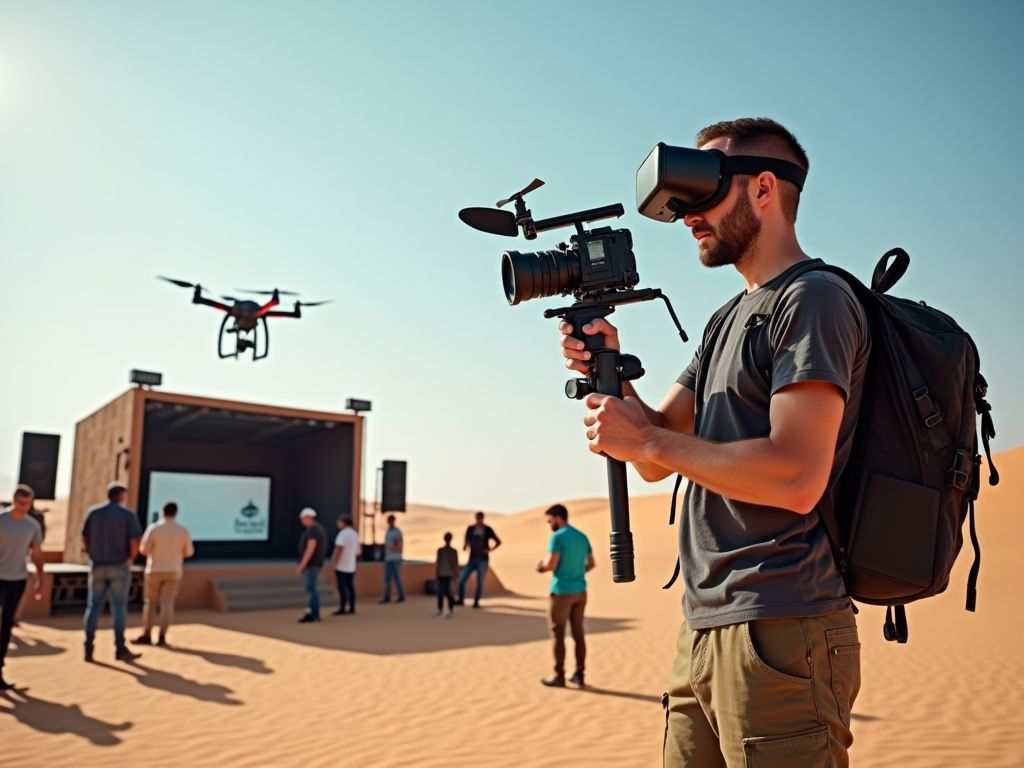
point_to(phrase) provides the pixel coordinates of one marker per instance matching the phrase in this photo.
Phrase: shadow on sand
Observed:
(621, 694)
(409, 627)
(176, 684)
(248, 663)
(50, 717)
(23, 645)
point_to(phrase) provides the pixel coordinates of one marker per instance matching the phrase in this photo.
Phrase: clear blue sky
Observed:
(327, 147)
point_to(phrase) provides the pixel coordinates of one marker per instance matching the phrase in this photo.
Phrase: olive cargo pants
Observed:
(773, 693)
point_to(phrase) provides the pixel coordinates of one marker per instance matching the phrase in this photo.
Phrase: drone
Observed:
(248, 317)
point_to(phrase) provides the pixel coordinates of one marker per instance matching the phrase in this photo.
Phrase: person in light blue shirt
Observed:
(393, 546)
(569, 558)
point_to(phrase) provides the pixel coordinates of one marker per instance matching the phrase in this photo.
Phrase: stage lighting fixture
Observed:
(146, 378)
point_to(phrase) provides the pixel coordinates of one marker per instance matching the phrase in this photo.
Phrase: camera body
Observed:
(592, 262)
(607, 260)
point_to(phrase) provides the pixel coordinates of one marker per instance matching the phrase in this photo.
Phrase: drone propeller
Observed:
(179, 283)
(312, 303)
(528, 188)
(269, 293)
(230, 298)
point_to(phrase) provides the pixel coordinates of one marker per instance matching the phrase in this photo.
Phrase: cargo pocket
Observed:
(844, 658)
(807, 749)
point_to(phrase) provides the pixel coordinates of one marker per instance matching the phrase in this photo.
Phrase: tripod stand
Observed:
(608, 368)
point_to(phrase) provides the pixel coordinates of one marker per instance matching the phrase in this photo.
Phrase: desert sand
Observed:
(391, 686)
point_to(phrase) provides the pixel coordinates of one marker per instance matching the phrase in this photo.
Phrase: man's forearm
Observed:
(754, 471)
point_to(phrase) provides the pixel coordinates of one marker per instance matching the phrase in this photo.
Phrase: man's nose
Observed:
(690, 219)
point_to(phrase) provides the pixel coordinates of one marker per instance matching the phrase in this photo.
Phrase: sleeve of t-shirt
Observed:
(189, 546)
(339, 540)
(134, 529)
(688, 378)
(86, 525)
(144, 548)
(37, 535)
(815, 333)
(555, 545)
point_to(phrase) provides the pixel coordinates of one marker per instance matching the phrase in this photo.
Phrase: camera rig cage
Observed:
(598, 268)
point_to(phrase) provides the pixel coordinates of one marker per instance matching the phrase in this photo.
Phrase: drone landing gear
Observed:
(242, 341)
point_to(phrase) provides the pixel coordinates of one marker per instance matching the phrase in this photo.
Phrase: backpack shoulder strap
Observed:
(711, 334)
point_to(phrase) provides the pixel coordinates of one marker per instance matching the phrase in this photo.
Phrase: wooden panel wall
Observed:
(103, 452)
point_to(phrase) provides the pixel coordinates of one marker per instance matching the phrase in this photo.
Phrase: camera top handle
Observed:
(531, 227)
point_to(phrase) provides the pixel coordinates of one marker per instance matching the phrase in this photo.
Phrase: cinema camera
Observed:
(598, 268)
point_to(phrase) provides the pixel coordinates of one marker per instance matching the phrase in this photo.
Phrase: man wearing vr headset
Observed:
(768, 660)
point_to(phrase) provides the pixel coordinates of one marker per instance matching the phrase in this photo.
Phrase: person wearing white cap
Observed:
(312, 548)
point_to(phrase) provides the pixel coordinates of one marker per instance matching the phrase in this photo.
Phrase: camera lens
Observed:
(537, 275)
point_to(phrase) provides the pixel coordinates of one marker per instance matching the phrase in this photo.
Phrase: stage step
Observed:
(262, 593)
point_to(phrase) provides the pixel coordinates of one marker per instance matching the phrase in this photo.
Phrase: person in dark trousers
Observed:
(343, 562)
(394, 545)
(446, 566)
(569, 559)
(767, 662)
(20, 536)
(111, 534)
(479, 538)
(312, 548)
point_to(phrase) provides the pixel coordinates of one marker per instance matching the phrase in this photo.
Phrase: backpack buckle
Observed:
(926, 407)
(960, 473)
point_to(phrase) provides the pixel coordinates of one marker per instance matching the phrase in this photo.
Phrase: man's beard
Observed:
(736, 235)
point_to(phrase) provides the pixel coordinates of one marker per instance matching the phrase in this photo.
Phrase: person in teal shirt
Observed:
(569, 558)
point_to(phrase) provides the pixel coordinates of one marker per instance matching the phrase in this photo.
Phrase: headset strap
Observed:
(749, 164)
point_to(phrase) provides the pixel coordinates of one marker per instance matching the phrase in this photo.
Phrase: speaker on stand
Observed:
(39, 463)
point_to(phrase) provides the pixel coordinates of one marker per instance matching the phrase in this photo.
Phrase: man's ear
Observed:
(767, 188)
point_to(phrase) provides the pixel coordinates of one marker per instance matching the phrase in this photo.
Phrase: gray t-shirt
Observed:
(391, 538)
(109, 529)
(743, 561)
(17, 537)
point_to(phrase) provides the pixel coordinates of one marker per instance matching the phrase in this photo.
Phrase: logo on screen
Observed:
(251, 522)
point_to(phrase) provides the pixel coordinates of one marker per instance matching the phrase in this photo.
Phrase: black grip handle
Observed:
(609, 382)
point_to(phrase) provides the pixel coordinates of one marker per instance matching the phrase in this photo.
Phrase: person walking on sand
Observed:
(478, 541)
(446, 566)
(111, 534)
(393, 546)
(312, 548)
(20, 536)
(166, 545)
(569, 558)
(346, 551)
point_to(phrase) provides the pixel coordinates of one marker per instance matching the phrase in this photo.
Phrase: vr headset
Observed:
(674, 181)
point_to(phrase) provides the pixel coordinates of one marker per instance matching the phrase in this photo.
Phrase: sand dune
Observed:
(393, 687)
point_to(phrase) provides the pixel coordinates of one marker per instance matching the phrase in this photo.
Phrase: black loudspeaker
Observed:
(393, 491)
(39, 463)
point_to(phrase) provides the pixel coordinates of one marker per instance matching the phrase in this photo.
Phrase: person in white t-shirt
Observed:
(346, 549)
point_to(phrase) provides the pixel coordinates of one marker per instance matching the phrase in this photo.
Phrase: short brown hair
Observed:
(24, 490)
(558, 511)
(170, 509)
(762, 137)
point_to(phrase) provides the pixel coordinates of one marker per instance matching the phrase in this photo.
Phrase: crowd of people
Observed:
(113, 538)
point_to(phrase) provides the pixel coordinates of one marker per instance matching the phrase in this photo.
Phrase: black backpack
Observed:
(914, 472)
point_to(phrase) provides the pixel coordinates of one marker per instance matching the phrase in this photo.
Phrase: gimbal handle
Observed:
(606, 379)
